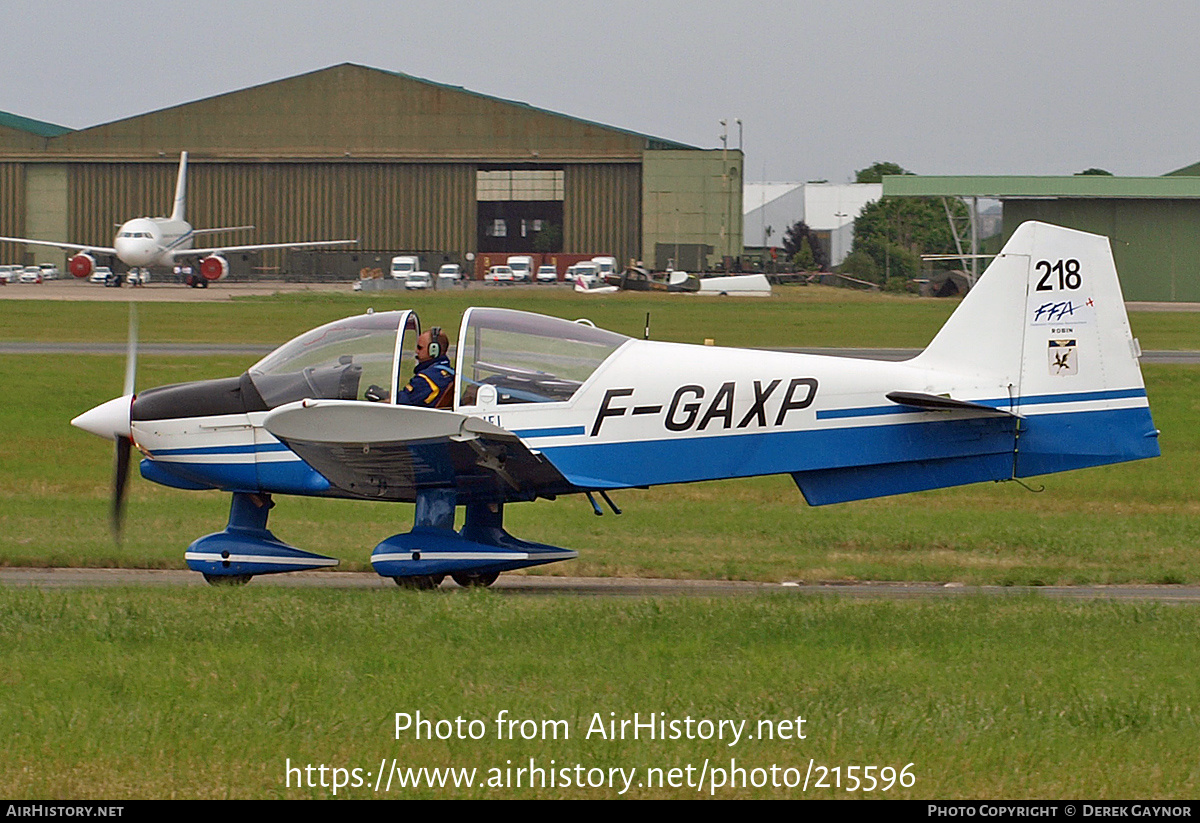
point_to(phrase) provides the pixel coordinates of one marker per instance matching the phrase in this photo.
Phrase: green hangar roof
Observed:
(1151, 221)
(35, 127)
(1079, 185)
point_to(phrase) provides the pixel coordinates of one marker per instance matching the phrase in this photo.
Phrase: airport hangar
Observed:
(403, 164)
(1153, 222)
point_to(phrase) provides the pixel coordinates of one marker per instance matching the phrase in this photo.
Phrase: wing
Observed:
(385, 452)
(234, 249)
(57, 245)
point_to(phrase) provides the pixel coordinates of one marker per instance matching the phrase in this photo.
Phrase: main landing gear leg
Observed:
(473, 557)
(246, 548)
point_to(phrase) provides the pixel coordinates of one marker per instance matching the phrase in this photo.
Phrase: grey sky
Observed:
(822, 88)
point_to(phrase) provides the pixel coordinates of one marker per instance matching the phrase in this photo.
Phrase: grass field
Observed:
(206, 693)
(796, 316)
(209, 693)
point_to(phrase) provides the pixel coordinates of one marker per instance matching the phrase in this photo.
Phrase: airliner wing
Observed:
(235, 249)
(221, 229)
(57, 245)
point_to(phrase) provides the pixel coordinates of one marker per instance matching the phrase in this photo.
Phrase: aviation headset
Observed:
(435, 343)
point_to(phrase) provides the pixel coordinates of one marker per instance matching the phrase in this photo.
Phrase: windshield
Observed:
(517, 357)
(338, 361)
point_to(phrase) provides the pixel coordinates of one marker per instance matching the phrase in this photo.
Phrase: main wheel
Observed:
(468, 581)
(420, 581)
(228, 579)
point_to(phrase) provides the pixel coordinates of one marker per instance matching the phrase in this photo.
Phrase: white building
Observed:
(829, 209)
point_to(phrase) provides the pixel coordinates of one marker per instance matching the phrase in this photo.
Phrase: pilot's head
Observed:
(432, 344)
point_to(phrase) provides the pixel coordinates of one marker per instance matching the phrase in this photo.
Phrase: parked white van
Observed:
(522, 267)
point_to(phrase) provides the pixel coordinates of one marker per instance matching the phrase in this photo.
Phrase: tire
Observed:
(227, 579)
(474, 581)
(421, 582)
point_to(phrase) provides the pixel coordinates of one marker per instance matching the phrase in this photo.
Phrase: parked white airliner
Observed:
(147, 242)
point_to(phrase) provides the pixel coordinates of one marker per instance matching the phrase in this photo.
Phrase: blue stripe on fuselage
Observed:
(995, 402)
(1051, 442)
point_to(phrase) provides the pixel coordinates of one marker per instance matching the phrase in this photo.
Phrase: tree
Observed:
(876, 171)
(896, 231)
(1093, 171)
(548, 239)
(803, 248)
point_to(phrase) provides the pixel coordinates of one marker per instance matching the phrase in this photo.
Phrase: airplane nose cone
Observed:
(108, 420)
(134, 253)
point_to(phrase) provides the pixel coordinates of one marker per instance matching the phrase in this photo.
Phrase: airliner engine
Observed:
(214, 267)
(81, 265)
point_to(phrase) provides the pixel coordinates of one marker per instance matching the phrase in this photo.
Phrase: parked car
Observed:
(49, 271)
(586, 270)
(606, 267)
(499, 274)
(403, 265)
(418, 280)
(102, 275)
(522, 267)
(10, 274)
(451, 272)
(31, 274)
(547, 274)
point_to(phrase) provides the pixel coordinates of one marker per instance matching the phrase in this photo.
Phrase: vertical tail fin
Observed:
(180, 188)
(1047, 322)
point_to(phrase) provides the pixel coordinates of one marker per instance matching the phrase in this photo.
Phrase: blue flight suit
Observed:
(431, 382)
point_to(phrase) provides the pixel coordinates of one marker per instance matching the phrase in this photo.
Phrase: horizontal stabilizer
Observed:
(938, 402)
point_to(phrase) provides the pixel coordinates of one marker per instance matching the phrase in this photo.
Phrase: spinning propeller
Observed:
(124, 439)
(111, 420)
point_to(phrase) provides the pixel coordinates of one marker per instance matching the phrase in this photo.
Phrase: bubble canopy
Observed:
(339, 360)
(509, 357)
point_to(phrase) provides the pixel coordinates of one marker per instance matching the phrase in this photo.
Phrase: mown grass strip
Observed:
(206, 693)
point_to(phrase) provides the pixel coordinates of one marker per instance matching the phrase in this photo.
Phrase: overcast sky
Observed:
(822, 88)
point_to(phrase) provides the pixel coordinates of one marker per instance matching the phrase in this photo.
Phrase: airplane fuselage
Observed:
(147, 242)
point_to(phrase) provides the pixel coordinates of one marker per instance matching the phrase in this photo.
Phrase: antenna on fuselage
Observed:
(180, 188)
(646, 334)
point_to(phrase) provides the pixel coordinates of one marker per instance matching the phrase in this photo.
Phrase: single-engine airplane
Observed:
(149, 242)
(1035, 372)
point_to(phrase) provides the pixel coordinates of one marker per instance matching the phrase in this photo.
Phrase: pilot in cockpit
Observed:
(432, 383)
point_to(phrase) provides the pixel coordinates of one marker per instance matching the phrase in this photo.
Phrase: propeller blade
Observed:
(124, 443)
(131, 351)
(120, 478)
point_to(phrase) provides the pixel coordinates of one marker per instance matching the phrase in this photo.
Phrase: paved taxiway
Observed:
(531, 585)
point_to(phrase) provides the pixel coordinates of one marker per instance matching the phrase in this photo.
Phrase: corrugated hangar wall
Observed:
(1155, 244)
(12, 215)
(386, 206)
(602, 210)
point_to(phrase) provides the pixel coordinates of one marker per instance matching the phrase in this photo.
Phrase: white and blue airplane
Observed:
(161, 242)
(1035, 372)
